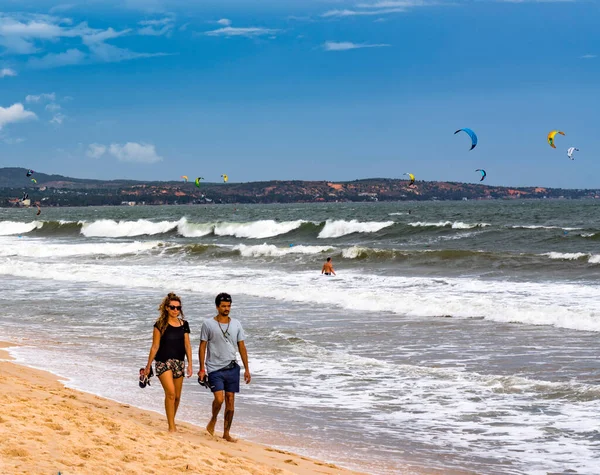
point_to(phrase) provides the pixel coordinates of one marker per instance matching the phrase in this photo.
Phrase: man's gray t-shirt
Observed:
(222, 342)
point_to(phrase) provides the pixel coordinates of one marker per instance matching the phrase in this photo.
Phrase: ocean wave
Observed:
(539, 226)
(565, 305)
(8, 228)
(194, 249)
(116, 229)
(418, 256)
(449, 224)
(189, 230)
(257, 229)
(269, 250)
(574, 256)
(569, 256)
(37, 248)
(360, 252)
(339, 228)
(592, 236)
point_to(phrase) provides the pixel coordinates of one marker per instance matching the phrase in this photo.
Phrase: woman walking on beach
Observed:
(170, 345)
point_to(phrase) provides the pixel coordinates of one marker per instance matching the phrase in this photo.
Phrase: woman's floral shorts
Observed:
(177, 366)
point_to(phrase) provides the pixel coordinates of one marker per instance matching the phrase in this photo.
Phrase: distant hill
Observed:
(58, 190)
(16, 177)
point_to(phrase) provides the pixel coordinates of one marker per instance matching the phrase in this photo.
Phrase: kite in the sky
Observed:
(197, 181)
(29, 173)
(471, 134)
(551, 136)
(225, 178)
(34, 180)
(483, 173)
(570, 152)
(185, 178)
(412, 178)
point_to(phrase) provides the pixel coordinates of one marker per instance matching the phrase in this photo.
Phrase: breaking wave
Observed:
(269, 250)
(14, 227)
(449, 224)
(339, 228)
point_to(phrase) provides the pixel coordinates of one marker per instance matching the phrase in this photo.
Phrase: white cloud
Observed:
(53, 107)
(58, 119)
(246, 32)
(112, 54)
(397, 4)
(19, 35)
(382, 7)
(7, 72)
(95, 150)
(224, 22)
(159, 27)
(41, 97)
(347, 45)
(11, 141)
(53, 60)
(135, 152)
(25, 34)
(14, 113)
(345, 12)
(588, 56)
(93, 37)
(63, 7)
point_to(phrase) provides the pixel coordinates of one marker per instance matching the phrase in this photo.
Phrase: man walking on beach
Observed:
(222, 336)
(328, 267)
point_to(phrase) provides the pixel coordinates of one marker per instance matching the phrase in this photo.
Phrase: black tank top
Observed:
(172, 343)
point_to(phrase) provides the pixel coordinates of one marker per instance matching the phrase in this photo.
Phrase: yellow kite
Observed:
(551, 136)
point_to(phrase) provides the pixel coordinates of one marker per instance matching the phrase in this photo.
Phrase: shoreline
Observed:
(62, 429)
(74, 432)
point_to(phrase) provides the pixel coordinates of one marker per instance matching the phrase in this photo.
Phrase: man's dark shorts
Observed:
(225, 379)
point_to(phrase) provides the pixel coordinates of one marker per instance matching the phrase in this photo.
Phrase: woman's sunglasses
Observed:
(174, 307)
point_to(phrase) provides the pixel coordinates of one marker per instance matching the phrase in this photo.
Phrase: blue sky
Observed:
(308, 90)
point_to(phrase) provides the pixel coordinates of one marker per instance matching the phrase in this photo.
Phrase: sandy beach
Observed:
(47, 428)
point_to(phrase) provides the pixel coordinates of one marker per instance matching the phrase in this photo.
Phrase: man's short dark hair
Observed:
(222, 297)
(328, 259)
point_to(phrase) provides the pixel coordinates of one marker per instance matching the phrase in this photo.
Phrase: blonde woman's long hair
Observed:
(163, 319)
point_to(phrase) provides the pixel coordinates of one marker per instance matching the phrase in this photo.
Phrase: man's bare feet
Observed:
(210, 428)
(228, 438)
(172, 429)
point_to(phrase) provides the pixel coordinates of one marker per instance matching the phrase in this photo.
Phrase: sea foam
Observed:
(449, 224)
(8, 228)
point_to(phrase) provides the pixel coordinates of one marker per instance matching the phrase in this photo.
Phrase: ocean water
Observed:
(456, 335)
